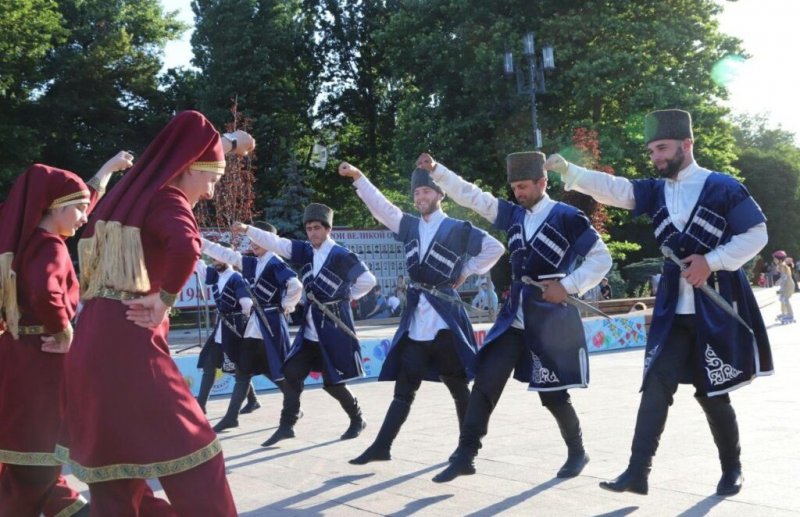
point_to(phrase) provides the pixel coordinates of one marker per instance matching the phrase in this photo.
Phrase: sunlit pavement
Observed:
(309, 475)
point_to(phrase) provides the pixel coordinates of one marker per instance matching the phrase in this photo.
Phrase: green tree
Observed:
(102, 82)
(285, 210)
(615, 61)
(773, 179)
(259, 55)
(28, 30)
(754, 131)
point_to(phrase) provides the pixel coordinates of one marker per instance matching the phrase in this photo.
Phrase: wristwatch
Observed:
(231, 139)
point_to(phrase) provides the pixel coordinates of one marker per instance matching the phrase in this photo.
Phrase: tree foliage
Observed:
(101, 82)
(258, 54)
(773, 179)
(380, 82)
(29, 29)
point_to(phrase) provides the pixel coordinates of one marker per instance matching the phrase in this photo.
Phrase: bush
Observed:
(637, 275)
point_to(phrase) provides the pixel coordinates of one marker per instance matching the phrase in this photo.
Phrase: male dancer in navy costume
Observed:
(233, 308)
(266, 336)
(536, 334)
(334, 276)
(434, 340)
(714, 226)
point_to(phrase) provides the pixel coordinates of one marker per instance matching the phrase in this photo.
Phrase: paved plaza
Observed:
(309, 475)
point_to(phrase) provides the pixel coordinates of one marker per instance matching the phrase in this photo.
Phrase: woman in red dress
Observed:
(38, 299)
(131, 416)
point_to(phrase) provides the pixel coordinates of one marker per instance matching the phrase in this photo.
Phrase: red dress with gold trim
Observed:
(130, 411)
(32, 381)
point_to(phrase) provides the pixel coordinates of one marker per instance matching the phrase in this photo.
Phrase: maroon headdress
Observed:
(110, 251)
(36, 190)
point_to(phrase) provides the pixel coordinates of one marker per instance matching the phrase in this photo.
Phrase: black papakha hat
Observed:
(318, 212)
(421, 178)
(527, 165)
(263, 225)
(667, 125)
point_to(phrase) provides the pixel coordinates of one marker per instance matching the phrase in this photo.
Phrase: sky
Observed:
(768, 82)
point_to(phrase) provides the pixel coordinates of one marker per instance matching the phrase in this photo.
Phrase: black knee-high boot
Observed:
(650, 422)
(206, 383)
(252, 401)
(350, 405)
(474, 428)
(725, 430)
(231, 418)
(289, 414)
(459, 390)
(380, 450)
(570, 428)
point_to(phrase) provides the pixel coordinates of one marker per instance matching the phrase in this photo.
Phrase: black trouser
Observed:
(253, 358)
(494, 368)
(212, 360)
(242, 376)
(674, 364)
(416, 357)
(296, 369)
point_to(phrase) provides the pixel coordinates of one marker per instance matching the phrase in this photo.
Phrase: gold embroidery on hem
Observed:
(137, 470)
(34, 459)
(73, 508)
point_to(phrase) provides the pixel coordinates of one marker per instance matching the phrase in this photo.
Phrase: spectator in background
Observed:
(786, 285)
(366, 305)
(395, 305)
(605, 290)
(381, 308)
(486, 299)
(593, 294)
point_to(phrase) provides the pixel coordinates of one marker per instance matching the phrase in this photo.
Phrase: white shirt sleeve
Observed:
(294, 291)
(270, 241)
(363, 284)
(491, 251)
(595, 266)
(740, 249)
(380, 207)
(247, 305)
(222, 254)
(465, 193)
(604, 188)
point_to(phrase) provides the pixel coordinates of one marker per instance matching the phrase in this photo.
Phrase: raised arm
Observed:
(221, 253)
(119, 162)
(266, 240)
(381, 208)
(461, 191)
(604, 188)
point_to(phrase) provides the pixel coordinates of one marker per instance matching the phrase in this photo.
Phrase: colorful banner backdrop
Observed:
(625, 331)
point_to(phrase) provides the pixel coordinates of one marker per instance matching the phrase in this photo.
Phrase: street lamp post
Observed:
(530, 81)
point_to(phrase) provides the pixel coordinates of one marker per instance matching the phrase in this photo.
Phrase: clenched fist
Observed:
(349, 171)
(556, 163)
(426, 161)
